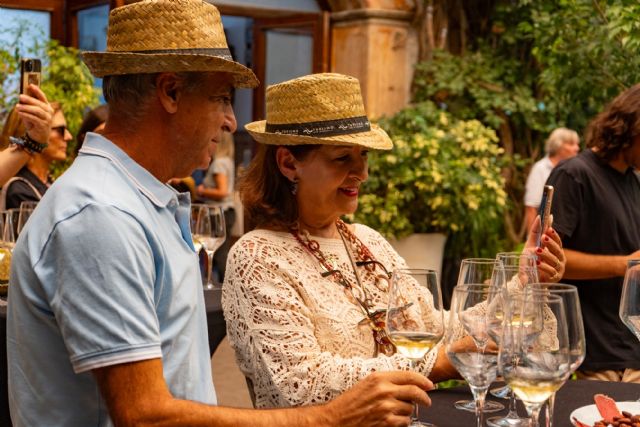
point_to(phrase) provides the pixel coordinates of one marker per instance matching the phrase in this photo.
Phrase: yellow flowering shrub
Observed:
(443, 175)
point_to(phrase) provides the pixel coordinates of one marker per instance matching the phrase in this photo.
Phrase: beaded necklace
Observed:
(375, 319)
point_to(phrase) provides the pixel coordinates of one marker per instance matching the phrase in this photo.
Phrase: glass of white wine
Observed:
(520, 266)
(7, 240)
(208, 232)
(534, 349)
(575, 329)
(415, 317)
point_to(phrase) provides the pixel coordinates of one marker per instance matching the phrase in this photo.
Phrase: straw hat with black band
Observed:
(153, 36)
(324, 109)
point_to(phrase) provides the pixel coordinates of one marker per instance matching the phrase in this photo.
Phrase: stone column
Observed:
(374, 41)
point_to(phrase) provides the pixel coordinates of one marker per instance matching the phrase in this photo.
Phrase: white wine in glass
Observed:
(415, 317)
(540, 347)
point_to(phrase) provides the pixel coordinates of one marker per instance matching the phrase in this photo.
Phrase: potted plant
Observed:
(442, 176)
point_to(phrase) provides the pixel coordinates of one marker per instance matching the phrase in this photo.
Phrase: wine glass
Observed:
(415, 317)
(575, 329)
(7, 241)
(477, 271)
(534, 348)
(630, 301)
(523, 267)
(8, 237)
(24, 212)
(467, 340)
(208, 230)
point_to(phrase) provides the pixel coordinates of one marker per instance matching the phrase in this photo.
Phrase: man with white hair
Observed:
(562, 144)
(106, 319)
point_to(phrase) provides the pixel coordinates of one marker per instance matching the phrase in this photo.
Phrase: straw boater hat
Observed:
(154, 36)
(318, 109)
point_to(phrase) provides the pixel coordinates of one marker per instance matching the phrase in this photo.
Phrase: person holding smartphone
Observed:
(596, 211)
(33, 179)
(106, 321)
(32, 115)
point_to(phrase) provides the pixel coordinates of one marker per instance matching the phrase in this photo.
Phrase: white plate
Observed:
(589, 414)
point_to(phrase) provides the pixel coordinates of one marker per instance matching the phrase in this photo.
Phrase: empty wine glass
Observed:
(520, 266)
(534, 349)
(575, 330)
(415, 318)
(8, 237)
(477, 271)
(208, 230)
(467, 340)
(24, 213)
(630, 300)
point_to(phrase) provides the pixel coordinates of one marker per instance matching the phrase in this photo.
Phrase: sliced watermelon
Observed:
(579, 424)
(607, 407)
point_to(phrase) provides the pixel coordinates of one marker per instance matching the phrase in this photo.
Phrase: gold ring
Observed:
(557, 265)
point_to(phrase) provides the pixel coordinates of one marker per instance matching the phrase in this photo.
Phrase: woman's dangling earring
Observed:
(294, 187)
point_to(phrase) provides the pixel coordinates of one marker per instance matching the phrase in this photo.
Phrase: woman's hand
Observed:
(551, 259)
(36, 114)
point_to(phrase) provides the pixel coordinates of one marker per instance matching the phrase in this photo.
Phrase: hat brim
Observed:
(376, 138)
(117, 63)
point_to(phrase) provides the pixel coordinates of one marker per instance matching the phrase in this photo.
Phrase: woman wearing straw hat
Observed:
(298, 333)
(106, 280)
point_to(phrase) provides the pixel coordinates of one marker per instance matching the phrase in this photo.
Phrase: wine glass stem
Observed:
(209, 269)
(415, 415)
(479, 395)
(513, 411)
(550, 404)
(534, 414)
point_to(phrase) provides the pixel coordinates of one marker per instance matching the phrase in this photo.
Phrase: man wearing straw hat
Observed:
(106, 318)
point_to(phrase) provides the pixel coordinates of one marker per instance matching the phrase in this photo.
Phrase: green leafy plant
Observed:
(443, 175)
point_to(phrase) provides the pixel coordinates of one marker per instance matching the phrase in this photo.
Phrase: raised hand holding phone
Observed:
(30, 73)
(33, 107)
(544, 211)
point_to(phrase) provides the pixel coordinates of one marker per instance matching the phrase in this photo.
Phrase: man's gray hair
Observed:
(129, 94)
(558, 137)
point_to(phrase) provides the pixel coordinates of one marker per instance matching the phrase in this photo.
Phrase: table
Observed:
(215, 323)
(572, 395)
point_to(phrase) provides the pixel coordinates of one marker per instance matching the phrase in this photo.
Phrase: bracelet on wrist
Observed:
(28, 144)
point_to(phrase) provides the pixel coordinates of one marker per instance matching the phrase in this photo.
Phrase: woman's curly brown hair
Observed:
(614, 129)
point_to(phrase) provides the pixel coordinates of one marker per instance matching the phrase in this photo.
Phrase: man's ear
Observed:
(287, 163)
(168, 90)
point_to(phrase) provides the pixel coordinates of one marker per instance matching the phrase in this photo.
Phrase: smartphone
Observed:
(545, 210)
(30, 73)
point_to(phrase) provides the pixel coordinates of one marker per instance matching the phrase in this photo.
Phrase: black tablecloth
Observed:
(572, 395)
(215, 323)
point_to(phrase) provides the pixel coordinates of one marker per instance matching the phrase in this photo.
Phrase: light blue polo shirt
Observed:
(104, 273)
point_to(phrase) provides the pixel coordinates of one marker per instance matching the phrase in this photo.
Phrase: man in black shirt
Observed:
(596, 211)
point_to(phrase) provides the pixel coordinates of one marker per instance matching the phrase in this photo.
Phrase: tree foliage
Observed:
(529, 66)
(455, 162)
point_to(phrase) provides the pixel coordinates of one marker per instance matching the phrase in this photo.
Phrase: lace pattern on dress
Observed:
(297, 335)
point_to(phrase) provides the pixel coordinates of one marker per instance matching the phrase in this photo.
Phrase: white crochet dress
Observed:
(297, 335)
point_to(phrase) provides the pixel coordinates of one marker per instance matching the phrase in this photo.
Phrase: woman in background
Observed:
(217, 190)
(33, 180)
(93, 121)
(32, 116)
